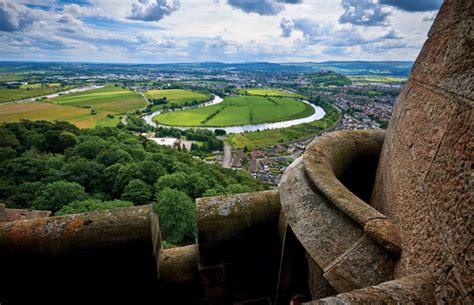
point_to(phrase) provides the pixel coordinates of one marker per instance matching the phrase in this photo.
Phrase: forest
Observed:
(64, 169)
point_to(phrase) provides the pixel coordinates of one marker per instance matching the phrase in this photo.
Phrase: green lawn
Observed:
(176, 97)
(238, 110)
(9, 95)
(269, 92)
(112, 99)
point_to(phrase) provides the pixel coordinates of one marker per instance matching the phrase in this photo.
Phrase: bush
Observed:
(137, 192)
(176, 212)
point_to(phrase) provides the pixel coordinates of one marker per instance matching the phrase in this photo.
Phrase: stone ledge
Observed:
(85, 232)
(416, 289)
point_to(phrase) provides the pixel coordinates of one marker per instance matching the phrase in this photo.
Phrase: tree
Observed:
(57, 194)
(137, 192)
(67, 139)
(8, 138)
(89, 205)
(176, 212)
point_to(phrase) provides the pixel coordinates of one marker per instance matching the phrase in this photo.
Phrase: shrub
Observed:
(176, 212)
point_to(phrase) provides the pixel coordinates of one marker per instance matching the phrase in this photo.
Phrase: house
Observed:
(237, 161)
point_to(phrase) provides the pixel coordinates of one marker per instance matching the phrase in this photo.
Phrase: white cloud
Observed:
(153, 10)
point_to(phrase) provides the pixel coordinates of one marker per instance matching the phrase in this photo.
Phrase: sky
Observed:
(169, 31)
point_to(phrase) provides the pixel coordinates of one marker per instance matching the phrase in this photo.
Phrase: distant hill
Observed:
(387, 68)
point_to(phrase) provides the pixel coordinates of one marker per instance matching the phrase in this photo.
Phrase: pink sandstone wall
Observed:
(424, 179)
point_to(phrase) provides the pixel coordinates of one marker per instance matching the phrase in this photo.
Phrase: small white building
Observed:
(168, 141)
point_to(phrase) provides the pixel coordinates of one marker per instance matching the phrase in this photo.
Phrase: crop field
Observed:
(269, 92)
(8, 95)
(238, 110)
(112, 99)
(52, 112)
(177, 97)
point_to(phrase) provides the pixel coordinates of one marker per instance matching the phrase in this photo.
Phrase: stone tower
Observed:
(424, 179)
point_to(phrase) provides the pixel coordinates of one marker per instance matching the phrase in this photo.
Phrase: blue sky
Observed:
(164, 31)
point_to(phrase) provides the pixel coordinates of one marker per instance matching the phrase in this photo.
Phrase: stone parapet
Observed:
(86, 232)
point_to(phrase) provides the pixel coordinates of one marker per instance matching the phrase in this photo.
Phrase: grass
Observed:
(112, 99)
(238, 110)
(9, 95)
(176, 97)
(265, 138)
(269, 92)
(52, 112)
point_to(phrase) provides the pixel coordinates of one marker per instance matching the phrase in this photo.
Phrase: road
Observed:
(227, 155)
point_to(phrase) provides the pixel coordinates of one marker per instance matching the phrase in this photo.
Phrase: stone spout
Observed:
(324, 196)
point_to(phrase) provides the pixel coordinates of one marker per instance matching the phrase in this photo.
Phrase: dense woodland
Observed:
(58, 167)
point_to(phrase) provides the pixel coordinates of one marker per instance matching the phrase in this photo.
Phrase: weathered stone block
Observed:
(364, 264)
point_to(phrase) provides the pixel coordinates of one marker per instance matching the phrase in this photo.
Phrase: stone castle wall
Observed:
(424, 180)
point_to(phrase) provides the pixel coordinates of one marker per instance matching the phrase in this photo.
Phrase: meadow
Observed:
(111, 99)
(28, 91)
(52, 112)
(269, 92)
(238, 110)
(175, 97)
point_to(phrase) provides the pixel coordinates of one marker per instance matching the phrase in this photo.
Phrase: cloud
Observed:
(429, 16)
(153, 10)
(83, 11)
(262, 7)
(14, 17)
(363, 12)
(335, 35)
(413, 5)
(286, 26)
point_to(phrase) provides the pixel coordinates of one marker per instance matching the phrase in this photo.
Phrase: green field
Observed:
(265, 138)
(238, 110)
(9, 95)
(52, 112)
(269, 92)
(175, 97)
(111, 99)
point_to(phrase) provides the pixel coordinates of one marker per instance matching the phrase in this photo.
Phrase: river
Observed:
(318, 114)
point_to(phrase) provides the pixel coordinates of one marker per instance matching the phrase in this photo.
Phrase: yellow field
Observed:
(52, 112)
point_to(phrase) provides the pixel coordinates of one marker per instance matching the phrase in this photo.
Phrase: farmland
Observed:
(107, 102)
(175, 97)
(28, 91)
(51, 112)
(238, 110)
(112, 99)
(269, 92)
